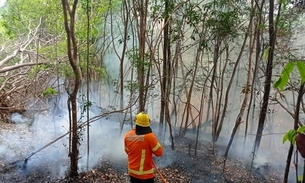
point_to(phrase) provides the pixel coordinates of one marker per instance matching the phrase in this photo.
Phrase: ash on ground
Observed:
(180, 165)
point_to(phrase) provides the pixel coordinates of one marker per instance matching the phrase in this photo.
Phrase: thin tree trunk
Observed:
(251, 50)
(188, 106)
(303, 171)
(295, 127)
(239, 117)
(221, 90)
(257, 40)
(268, 81)
(69, 20)
(126, 21)
(143, 5)
(215, 114)
(88, 81)
(201, 112)
(181, 130)
(165, 70)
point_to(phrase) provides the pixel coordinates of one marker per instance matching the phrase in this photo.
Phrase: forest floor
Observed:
(184, 167)
(204, 167)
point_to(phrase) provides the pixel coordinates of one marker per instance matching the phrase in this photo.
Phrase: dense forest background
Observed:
(226, 71)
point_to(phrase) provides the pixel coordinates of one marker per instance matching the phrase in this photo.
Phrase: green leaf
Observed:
(283, 80)
(290, 135)
(300, 178)
(301, 68)
(288, 68)
(277, 83)
(301, 129)
(285, 138)
(49, 91)
(284, 3)
(266, 53)
(285, 74)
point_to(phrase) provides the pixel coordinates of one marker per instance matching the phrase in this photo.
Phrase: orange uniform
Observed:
(140, 149)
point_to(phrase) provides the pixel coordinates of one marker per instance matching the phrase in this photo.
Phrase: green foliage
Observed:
(2, 79)
(284, 26)
(20, 15)
(284, 3)
(285, 21)
(53, 52)
(282, 81)
(87, 105)
(155, 8)
(301, 129)
(96, 10)
(5, 29)
(49, 91)
(65, 70)
(223, 23)
(193, 14)
(100, 71)
(35, 69)
(133, 56)
(301, 69)
(300, 178)
(266, 53)
(131, 86)
(284, 77)
(262, 27)
(290, 135)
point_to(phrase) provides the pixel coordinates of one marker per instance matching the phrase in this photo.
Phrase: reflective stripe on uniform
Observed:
(141, 173)
(156, 147)
(142, 161)
(126, 148)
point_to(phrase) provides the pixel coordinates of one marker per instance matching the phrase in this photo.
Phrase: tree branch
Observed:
(9, 68)
(30, 37)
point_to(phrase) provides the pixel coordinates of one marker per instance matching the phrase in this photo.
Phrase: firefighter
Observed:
(140, 145)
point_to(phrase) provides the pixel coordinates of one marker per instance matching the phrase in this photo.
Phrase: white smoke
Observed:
(18, 118)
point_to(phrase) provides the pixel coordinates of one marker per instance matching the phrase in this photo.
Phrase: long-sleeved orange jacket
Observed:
(140, 149)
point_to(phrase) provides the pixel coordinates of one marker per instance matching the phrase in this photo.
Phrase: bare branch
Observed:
(9, 68)
(9, 57)
(22, 47)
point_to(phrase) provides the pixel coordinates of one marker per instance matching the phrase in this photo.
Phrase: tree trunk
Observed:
(256, 41)
(239, 117)
(166, 79)
(215, 115)
(268, 81)
(126, 20)
(142, 8)
(295, 127)
(88, 80)
(69, 20)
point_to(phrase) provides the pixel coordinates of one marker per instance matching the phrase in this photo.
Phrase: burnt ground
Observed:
(178, 166)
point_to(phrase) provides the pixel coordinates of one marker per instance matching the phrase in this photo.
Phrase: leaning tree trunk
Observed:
(295, 126)
(256, 40)
(239, 117)
(268, 81)
(69, 20)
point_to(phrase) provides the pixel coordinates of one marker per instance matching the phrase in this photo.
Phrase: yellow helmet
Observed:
(142, 119)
